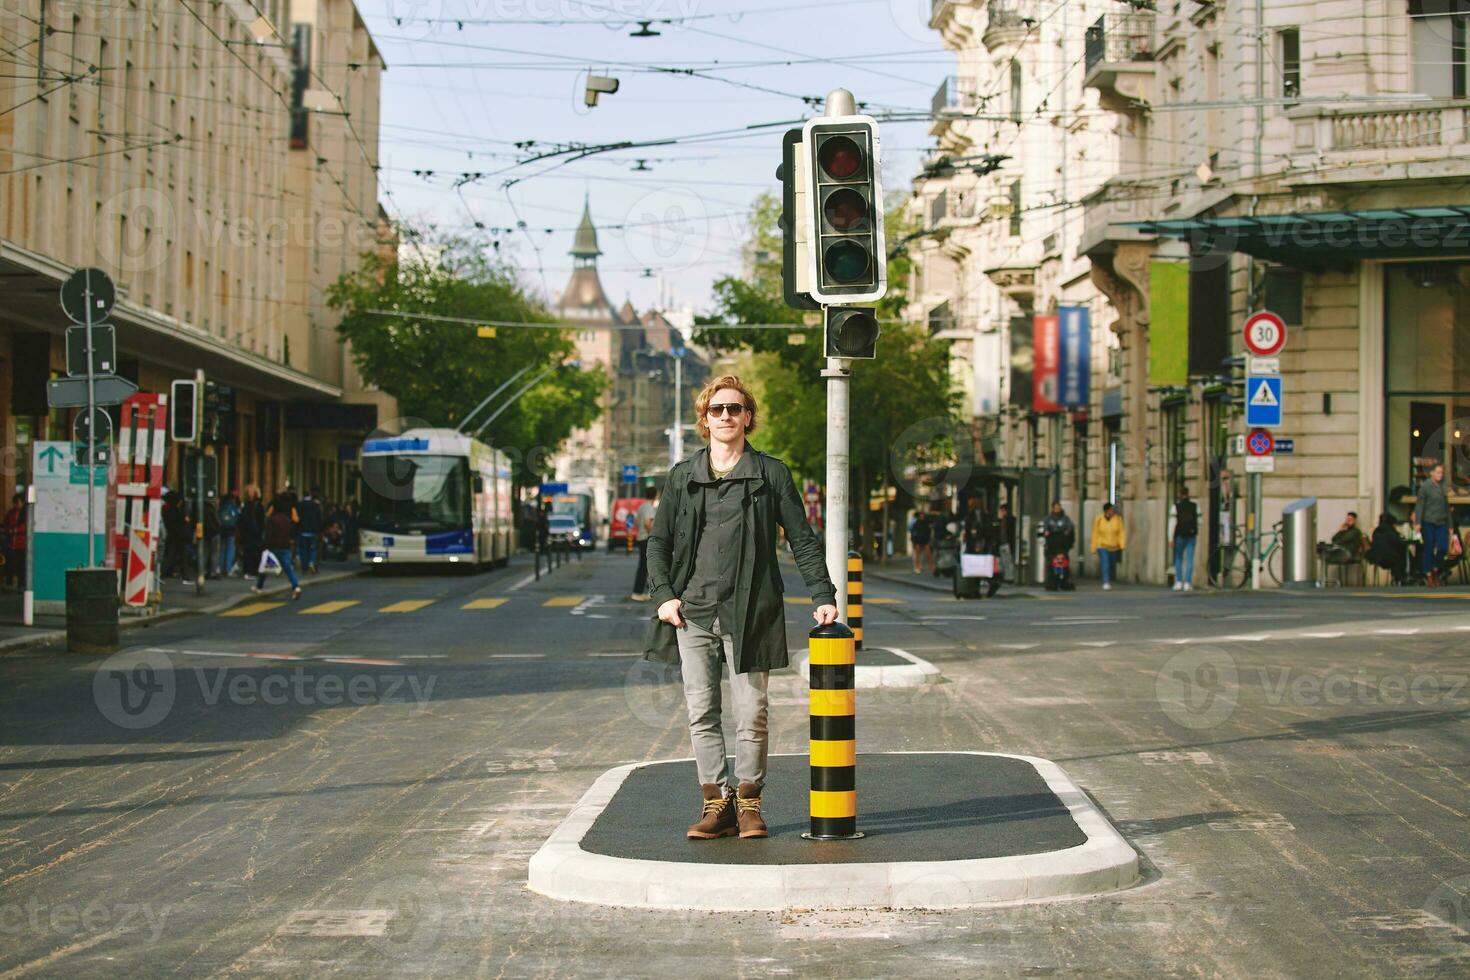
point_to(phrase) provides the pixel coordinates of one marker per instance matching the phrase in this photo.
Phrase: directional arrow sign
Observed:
(51, 456)
(1263, 401)
(72, 392)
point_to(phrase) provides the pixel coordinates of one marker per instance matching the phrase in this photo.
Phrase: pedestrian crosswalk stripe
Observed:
(251, 608)
(407, 606)
(564, 600)
(329, 607)
(495, 603)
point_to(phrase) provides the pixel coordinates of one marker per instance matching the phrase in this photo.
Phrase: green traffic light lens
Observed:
(840, 157)
(845, 209)
(847, 261)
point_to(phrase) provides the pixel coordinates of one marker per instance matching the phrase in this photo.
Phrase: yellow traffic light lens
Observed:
(840, 157)
(845, 209)
(847, 261)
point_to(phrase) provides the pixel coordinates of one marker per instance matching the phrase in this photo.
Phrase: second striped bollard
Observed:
(855, 597)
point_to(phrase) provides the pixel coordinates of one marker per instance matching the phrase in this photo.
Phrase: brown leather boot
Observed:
(748, 811)
(719, 814)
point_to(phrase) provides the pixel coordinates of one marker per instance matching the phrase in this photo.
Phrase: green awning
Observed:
(1327, 239)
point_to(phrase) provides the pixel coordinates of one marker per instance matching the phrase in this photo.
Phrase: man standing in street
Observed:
(309, 510)
(1433, 510)
(644, 523)
(713, 571)
(1186, 534)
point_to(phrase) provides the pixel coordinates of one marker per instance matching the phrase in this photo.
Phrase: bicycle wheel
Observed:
(1229, 567)
(1273, 563)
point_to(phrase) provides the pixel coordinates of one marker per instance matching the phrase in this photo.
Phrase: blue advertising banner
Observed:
(1076, 359)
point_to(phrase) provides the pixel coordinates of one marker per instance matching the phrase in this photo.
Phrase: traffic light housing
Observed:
(846, 257)
(793, 238)
(183, 411)
(851, 332)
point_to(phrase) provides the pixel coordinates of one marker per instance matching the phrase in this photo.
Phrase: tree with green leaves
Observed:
(908, 385)
(439, 371)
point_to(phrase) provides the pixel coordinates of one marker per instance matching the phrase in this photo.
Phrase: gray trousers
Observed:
(701, 653)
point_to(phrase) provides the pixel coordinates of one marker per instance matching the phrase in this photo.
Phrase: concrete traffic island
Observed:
(944, 830)
(882, 667)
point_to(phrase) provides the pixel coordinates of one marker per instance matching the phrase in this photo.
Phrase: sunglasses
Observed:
(734, 408)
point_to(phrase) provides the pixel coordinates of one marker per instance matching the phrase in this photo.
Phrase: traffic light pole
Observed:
(199, 494)
(91, 434)
(839, 376)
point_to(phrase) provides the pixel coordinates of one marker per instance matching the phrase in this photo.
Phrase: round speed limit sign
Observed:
(1265, 334)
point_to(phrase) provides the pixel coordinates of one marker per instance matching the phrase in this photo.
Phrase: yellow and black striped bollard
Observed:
(832, 673)
(855, 597)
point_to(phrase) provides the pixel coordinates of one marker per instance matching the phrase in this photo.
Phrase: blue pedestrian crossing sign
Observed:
(1263, 401)
(630, 472)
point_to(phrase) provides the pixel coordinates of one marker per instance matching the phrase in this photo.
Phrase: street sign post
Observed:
(1264, 334)
(630, 472)
(1260, 443)
(1285, 447)
(88, 296)
(104, 350)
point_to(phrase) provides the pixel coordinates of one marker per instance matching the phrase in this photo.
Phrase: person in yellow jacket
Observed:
(1108, 540)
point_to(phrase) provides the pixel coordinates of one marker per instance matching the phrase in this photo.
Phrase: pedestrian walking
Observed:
(921, 536)
(209, 544)
(229, 523)
(712, 569)
(643, 521)
(1058, 535)
(1007, 525)
(1433, 512)
(280, 532)
(309, 529)
(176, 534)
(1186, 536)
(1108, 540)
(14, 531)
(251, 531)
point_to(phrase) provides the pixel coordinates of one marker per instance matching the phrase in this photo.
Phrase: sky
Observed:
(456, 99)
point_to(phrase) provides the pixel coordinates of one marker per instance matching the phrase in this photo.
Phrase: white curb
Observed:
(916, 673)
(562, 870)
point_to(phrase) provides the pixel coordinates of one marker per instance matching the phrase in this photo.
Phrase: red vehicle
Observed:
(622, 527)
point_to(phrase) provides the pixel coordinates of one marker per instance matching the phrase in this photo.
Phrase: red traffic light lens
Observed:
(847, 261)
(845, 209)
(840, 157)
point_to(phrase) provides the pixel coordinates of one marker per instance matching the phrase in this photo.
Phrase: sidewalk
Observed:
(178, 600)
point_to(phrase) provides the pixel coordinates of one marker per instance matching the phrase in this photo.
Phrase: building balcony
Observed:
(1007, 22)
(1119, 61)
(1425, 133)
(954, 99)
(1106, 211)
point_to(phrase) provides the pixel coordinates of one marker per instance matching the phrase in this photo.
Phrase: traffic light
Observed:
(852, 332)
(846, 258)
(793, 238)
(183, 411)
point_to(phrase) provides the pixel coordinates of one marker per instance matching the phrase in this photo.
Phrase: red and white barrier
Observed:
(142, 442)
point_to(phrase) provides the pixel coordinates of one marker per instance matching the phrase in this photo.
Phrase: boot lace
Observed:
(751, 804)
(715, 806)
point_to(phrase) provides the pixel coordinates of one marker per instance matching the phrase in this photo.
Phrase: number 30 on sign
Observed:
(1264, 334)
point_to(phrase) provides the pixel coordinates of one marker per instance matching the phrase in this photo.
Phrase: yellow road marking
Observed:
(564, 600)
(407, 606)
(1411, 595)
(329, 607)
(792, 600)
(886, 601)
(250, 609)
(485, 603)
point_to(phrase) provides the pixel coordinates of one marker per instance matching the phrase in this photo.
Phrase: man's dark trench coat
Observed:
(770, 500)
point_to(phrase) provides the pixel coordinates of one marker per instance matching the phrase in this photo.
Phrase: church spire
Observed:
(584, 246)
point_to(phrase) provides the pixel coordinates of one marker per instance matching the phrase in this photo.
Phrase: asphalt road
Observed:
(354, 783)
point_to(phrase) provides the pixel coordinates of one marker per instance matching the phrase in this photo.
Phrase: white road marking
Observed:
(945, 618)
(1325, 636)
(1096, 643)
(516, 656)
(525, 581)
(1245, 638)
(635, 654)
(1015, 646)
(1396, 632)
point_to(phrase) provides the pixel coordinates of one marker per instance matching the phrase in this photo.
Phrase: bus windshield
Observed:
(415, 493)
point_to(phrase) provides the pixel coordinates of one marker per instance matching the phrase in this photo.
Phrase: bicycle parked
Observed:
(1230, 564)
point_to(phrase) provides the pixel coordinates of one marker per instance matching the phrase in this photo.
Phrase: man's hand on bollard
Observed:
(825, 615)
(669, 613)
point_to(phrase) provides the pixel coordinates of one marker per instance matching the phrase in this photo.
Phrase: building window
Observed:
(1016, 207)
(1427, 350)
(1016, 110)
(1290, 41)
(1438, 38)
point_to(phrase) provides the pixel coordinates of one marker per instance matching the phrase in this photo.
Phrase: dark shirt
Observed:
(711, 589)
(1434, 506)
(278, 530)
(923, 529)
(1350, 539)
(1186, 519)
(310, 512)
